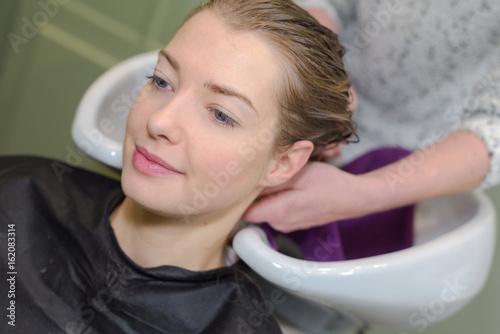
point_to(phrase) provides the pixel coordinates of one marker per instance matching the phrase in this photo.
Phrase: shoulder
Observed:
(45, 184)
(19, 169)
(21, 174)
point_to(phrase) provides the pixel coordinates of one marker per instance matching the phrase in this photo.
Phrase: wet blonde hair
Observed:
(314, 92)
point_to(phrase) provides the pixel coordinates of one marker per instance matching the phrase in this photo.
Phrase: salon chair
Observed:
(441, 273)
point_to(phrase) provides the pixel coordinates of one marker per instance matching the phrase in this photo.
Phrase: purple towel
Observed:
(356, 238)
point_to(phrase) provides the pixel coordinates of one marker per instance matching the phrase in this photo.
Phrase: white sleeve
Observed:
(482, 117)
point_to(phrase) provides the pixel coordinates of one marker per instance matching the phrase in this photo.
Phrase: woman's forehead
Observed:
(207, 49)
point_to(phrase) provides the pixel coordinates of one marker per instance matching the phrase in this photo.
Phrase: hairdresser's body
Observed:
(426, 74)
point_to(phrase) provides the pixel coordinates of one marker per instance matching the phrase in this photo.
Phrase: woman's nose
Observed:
(167, 121)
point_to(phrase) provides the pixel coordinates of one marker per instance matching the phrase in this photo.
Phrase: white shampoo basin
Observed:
(99, 124)
(439, 275)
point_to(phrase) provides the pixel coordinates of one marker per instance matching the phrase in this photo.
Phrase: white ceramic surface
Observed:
(99, 125)
(447, 267)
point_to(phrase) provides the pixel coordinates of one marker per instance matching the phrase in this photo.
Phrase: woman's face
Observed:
(200, 134)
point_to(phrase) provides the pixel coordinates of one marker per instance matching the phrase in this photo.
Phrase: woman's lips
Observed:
(151, 164)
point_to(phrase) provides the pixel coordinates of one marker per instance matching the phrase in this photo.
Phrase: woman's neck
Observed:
(151, 240)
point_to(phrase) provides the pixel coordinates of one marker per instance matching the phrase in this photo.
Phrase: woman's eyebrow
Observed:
(219, 89)
(171, 60)
(216, 88)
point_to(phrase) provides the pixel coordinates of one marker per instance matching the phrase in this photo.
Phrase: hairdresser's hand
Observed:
(318, 194)
(353, 99)
(321, 193)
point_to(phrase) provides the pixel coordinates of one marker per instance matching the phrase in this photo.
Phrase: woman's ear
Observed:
(288, 163)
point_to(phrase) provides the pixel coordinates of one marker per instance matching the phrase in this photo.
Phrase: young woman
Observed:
(241, 98)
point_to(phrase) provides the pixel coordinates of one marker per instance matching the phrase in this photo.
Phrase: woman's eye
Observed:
(222, 118)
(159, 82)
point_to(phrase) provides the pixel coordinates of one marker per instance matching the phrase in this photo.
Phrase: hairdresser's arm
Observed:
(322, 193)
(324, 19)
(331, 13)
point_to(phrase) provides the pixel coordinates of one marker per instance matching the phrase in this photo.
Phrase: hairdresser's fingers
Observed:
(331, 151)
(287, 211)
(321, 193)
(323, 18)
(276, 189)
(288, 206)
(353, 99)
(271, 208)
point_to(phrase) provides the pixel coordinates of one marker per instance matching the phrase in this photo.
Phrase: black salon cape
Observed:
(70, 276)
